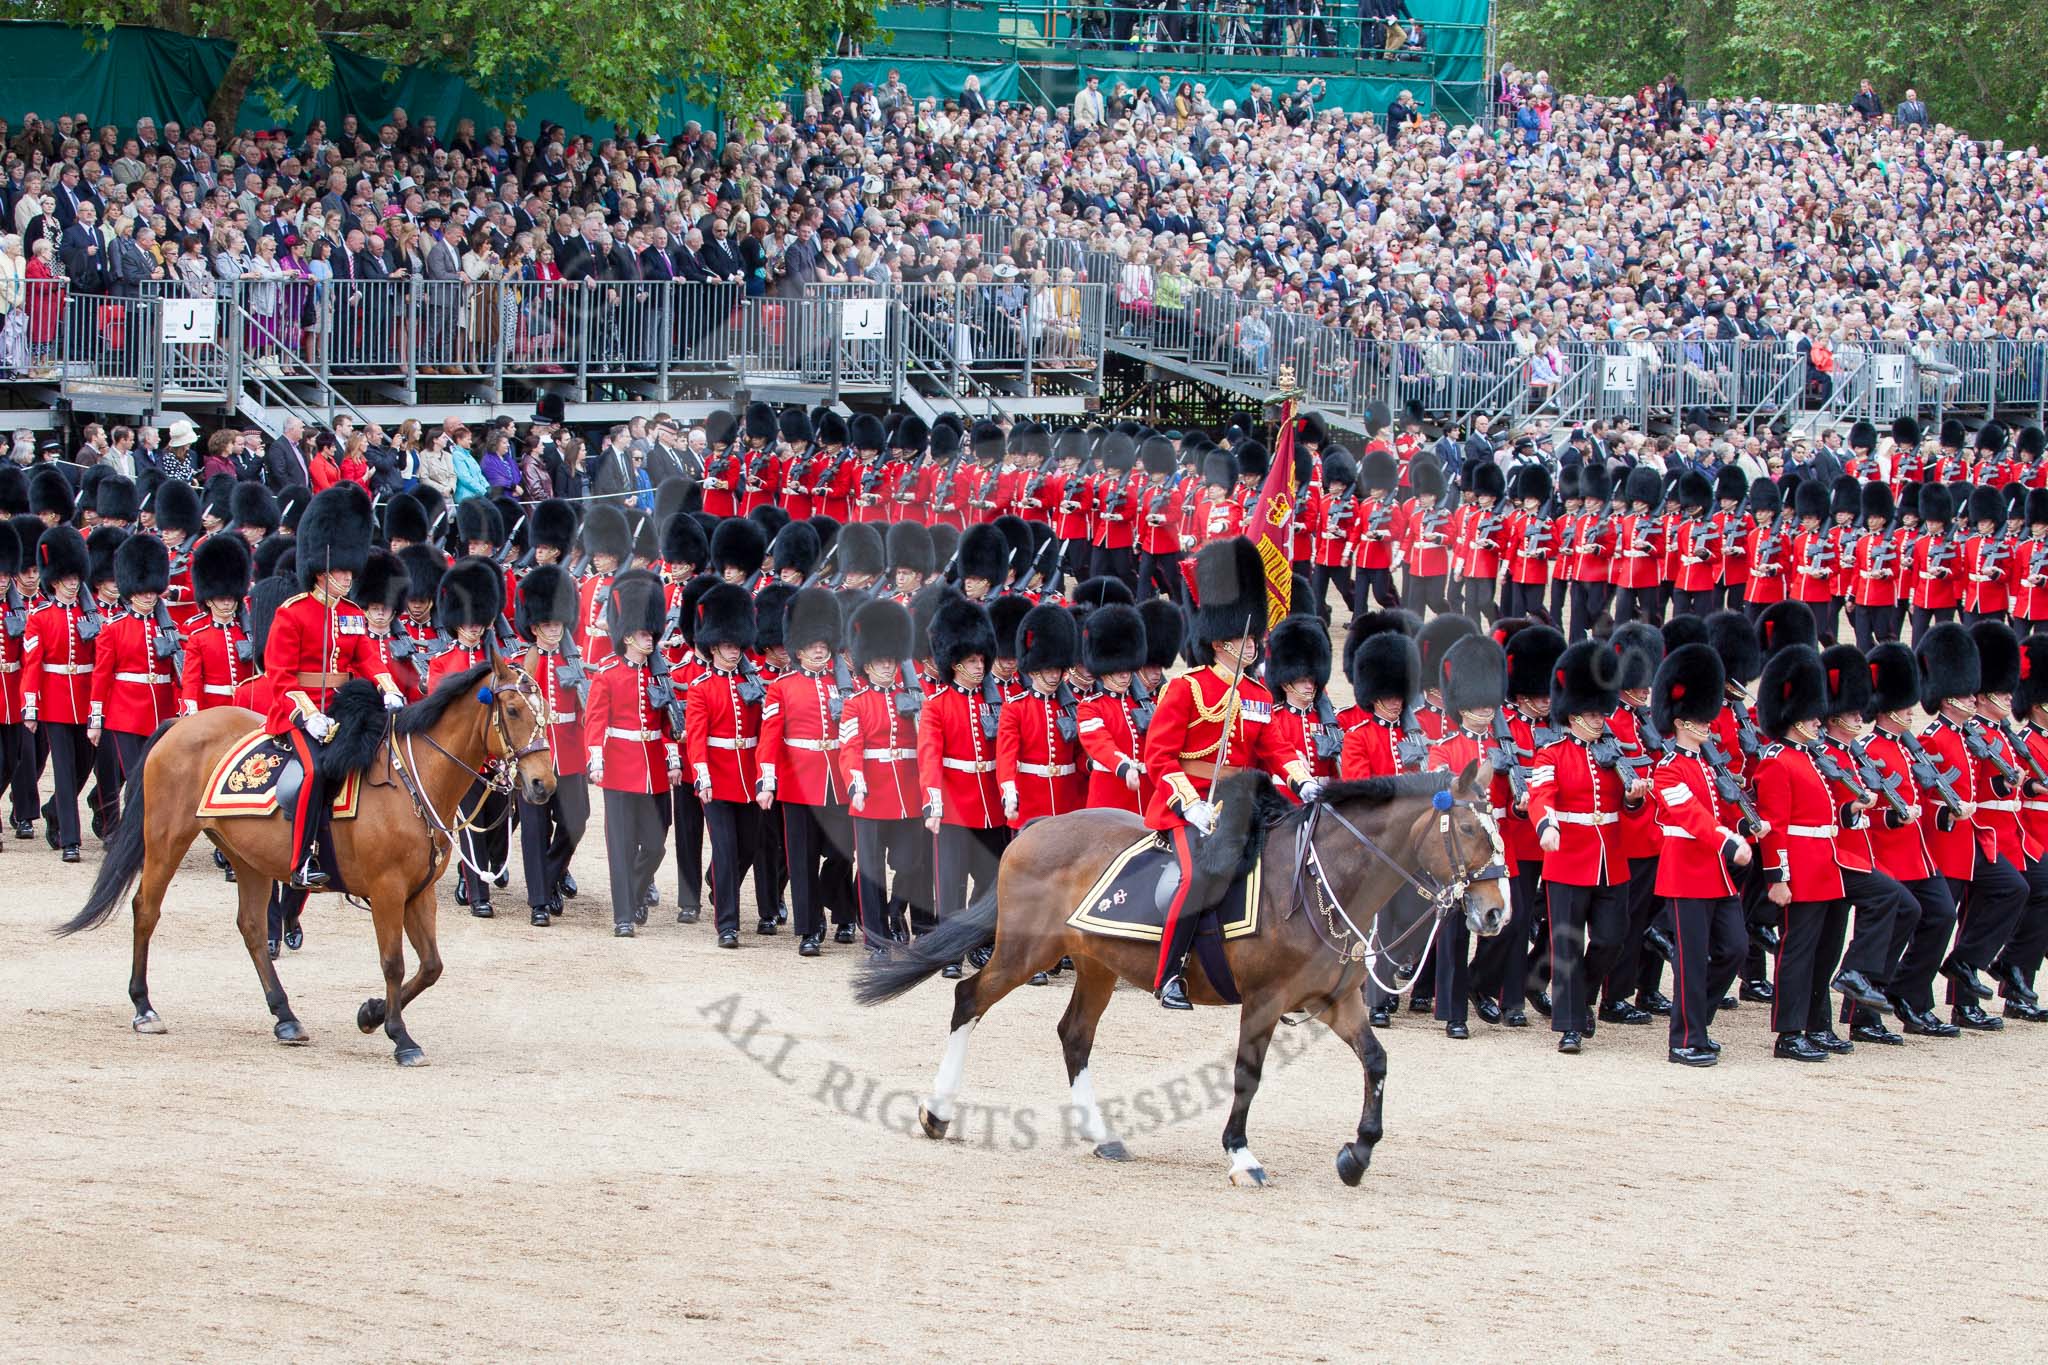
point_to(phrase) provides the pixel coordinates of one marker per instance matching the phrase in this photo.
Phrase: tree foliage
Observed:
(1973, 61)
(617, 61)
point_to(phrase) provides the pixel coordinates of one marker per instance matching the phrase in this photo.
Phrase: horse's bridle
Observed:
(1443, 898)
(498, 772)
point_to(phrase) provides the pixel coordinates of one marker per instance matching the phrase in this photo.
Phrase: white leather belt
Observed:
(561, 717)
(68, 669)
(10, 668)
(2033, 805)
(640, 735)
(968, 765)
(1046, 769)
(720, 742)
(818, 746)
(218, 690)
(147, 679)
(1572, 817)
(1998, 805)
(1814, 831)
(888, 755)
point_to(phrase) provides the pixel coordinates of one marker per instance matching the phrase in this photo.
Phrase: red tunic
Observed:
(133, 691)
(593, 641)
(1582, 800)
(956, 759)
(1196, 728)
(562, 706)
(878, 753)
(1901, 849)
(310, 638)
(799, 738)
(214, 666)
(1794, 801)
(56, 670)
(1035, 763)
(722, 734)
(627, 733)
(1111, 739)
(1696, 830)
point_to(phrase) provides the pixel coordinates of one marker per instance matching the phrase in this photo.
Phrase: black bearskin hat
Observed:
(1571, 483)
(1688, 686)
(945, 539)
(759, 423)
(1230, 593)
(828, 428)
(1486, 480)
(1905, 432)
(1425, 476)
(1385, 664)
(813, 618)
(1937, 504)
(795, 425)
(1583, 680)
(1848, 680)
(910, 547)
(1165, 631)
(141, 564)
(635, 603)
(725, 616)
(738, 543)
(1436, 638)
(1765, 499)
(1684, 630)
(50, 491)
(1047, 638)
(864, 432)
(1694, 492)
(945, 441)
(1473, 674)
(1783, 624)
(546, 594)
(1862, 436)
(795, 548)
(984, 553)
(424, 565)
(291, 506)
(959, 630)
(1643, 485)
(771, 608)
(1219, 470)
(472, 593)
(2037, 506)
(1986, 504)
(1378, 470)
(382, 582)
(60, 554)
(1730, 485)
(683, 542)
(1734, 639)
(1810, 500)
(1596, 482)
(266, 595)
(476, 519)
(250, 504)
(1005, 615)
(1532, 481)
(719, 428)
(1157, 455)
(334, 535)
(860, 549)
(1998, 657)
(1532, 653)
(605, 533)
(1845, 498)
(1016, 534)
(1947, 659)
(11, 556)
(1877, 502)
(1991, 439)
(2032, 441)
(1113, 639)
(1299, 647)
(1953, 434)
(177, 508)
(1793, 689)
(553, 523)
(14, 490)
(116, 499)
(2033, 688)
(1894, 680)
(1339, 468)
(881, 630)
(986, 440)
(1102, 591)
(1640, 648)
(220, 568)
(1909, 500)
(404, 519)
(1253, 460)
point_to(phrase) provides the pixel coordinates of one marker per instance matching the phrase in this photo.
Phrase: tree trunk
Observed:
(226, 105)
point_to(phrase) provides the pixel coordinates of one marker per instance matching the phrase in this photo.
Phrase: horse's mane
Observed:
(425, 713)
(1372, 791)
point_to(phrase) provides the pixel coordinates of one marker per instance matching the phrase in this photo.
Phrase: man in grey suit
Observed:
(1911, 111)
(443, 276)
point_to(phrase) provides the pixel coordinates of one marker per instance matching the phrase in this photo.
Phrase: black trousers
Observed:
(548, 836)
(1801, 927)
(26, 753)
(1074, 560)
(124, 764)
(1699, 603)
(1428, 594)
(1586, 925)
(1453, 969)
(1479, 596)
(689, 821)
(1873, 625)
(1989, 908)
(1560, 597)
(1923, 617)
(635, 839)
(878, 846)
(1373, 586)
(960, 855)
(1884, 909)
(1635, 604)
(71, 756)
(1500, 966)
(1322, 576)
(1711, 938)
(1828, 617)
(1912, 979)
(1159, 576)
(489, 846)
(735, 829)
(1589, 601)
(104, 800)
(1115, 563)
(1624, 977)
(813, 837)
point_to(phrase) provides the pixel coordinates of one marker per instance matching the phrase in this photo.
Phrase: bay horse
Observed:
(1326, 871)
(416, 765)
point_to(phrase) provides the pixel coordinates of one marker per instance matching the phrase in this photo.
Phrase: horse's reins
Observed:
(498, 773)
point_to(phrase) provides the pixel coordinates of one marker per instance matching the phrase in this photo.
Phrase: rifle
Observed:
(1489, 527)
(1704, 538)
(1940, 553)
(1607, 752)
(1729, 787)
(765, 453)
(1767, 544)
(169, 644)
(1508, 757)
(1818, 549)
(1157, 507)
(1329, 738)
(1824, 763)
(661, 691)
(1936, 779)
(1646, 733)
(1535, 543)
(2036, 564)
(1874, 778)
(1412, 749)
(1994, 554)
(1881, 558)
(1980, 746)
(1433, 520)
(1745, 727)
(1382, 513)
(2020, 747)
(721, 469)
(1337, 524)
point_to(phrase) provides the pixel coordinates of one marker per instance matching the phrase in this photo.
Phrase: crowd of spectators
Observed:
(1646, 216)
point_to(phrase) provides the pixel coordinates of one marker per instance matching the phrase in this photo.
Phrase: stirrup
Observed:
(1173, 993)
(308, 876)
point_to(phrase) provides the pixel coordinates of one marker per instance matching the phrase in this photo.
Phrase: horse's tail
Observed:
(125, 852)
(906, 965)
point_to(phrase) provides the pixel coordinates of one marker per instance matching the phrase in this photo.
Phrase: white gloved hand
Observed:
(1009, 803)
(1311, 789)
(321, 726)
(857, 796)
(393, 702)
(1201, 815)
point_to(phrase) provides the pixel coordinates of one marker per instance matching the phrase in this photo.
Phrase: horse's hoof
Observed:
(1248, 1177)
(370, 1017)
(410, 1056)
(1352, 1159)
(1112, 1150)
(934, 1128)
(147, 1022)
(290, 1031)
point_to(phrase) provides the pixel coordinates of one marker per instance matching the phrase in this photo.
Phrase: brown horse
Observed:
(1327, 869)
(416, 767)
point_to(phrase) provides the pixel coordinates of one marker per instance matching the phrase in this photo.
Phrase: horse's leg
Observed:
(1093, 986)
(973, 997)
(252, 918)
(387, 910)
(1348, 1019)
(1255, 1027)
(420, 931)
(169, 832)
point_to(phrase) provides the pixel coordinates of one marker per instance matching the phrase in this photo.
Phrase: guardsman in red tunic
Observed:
(1934, 569)
(1207, 720)
(608, 545)
(1065, 498)
(18, 764)
(1636, 570)
(218, 655)
(635, 756)
(956, 759)
(318, 641)
(1763, 547)
(1038, 745)
(1587, 546)
(1297, 674)
(1530, 542)
(806, 464)
(1698, 548)
(2006, 771)
(549, 834)
(1159, 519)
(134, 674)
(2030, 567)
(877, 768)
(1702, 847)
(2018, 965)
(1873, 566)
(1473, 681)
(1731, 491)
(1112, 648)
(1379, 525)
(721, 742)
(1631, 990)
(467, 608)
(1111, 504)
(1577, 794)
(176, 521)
(56, 677)
(1385, 741)
(1478, 531)
(1810, 553)
(1801, 822)
(381, 591)
(762, 464)
(1327, 512)
(800, 723)
(1987, 558)
(978, 486)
